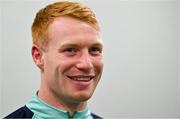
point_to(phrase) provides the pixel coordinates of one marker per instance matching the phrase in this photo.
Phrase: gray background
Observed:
(142, 57)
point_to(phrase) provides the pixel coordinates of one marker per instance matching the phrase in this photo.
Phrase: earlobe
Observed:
(37, 55)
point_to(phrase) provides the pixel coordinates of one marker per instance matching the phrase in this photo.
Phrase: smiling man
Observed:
(67, 48)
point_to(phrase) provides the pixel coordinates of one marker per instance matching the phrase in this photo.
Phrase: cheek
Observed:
(66, 64)
(98, 64)
(50, 64)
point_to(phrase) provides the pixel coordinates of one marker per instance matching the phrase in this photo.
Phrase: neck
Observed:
(56, 101)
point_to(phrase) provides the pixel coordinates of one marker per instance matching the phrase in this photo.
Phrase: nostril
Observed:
(84, 65)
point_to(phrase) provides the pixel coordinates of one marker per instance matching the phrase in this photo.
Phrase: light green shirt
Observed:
(42, 110)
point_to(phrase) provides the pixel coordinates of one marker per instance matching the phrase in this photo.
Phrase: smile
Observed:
(81, 78)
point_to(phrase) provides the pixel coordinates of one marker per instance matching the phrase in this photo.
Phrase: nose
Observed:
(85, 61)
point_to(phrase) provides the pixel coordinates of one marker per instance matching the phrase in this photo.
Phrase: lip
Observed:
(81, 84)
(81, 78)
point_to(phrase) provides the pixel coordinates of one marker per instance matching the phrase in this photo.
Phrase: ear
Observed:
(37, 55)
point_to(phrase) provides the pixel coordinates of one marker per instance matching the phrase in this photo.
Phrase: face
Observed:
(72, 63)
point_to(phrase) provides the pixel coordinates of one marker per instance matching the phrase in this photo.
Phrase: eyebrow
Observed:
(97, 44)
(68, 45)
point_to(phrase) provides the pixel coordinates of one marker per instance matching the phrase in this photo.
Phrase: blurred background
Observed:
(141, 76)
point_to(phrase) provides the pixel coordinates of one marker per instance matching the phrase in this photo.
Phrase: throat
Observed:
(71, 107)
(71, 115)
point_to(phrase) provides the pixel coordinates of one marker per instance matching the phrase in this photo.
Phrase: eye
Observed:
(70, 51)
(95, 51)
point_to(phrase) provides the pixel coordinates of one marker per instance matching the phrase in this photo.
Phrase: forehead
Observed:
(68, 25)
(70, 28)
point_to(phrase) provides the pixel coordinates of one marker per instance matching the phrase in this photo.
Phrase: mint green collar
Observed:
(43, 110)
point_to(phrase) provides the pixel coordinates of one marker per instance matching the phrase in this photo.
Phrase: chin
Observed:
(82, 97)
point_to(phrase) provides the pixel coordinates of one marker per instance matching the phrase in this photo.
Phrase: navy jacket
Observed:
(24, 112)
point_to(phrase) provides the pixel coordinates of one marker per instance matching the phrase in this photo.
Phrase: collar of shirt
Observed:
(44, 110)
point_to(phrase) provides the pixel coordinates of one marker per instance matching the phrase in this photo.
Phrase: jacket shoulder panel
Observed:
(22, 112)
(95, 116)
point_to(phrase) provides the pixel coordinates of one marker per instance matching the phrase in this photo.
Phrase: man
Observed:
(67, 48)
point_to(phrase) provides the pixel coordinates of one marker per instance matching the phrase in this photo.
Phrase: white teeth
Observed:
(81, 78)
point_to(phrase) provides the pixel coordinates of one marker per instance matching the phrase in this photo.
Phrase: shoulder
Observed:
(95, 116)
(22, 112)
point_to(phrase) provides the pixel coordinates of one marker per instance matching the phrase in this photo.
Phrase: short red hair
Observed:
(46, 16)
